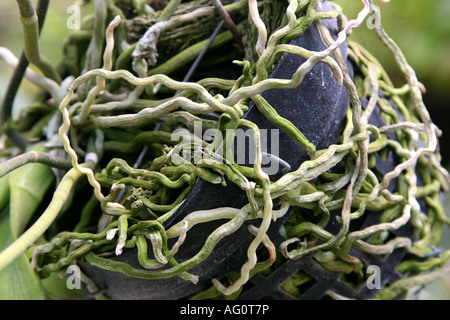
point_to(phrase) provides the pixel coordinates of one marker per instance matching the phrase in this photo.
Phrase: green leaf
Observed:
(28, 186)
(56, 288)
(17, 280)
(4, 191)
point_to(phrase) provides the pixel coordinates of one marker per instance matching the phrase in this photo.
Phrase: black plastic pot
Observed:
(317, 107)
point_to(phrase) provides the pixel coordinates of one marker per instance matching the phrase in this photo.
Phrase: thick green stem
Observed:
(30, 26)
(32, 157)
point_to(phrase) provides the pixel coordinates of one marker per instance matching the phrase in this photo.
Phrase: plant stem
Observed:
(169, 10)
(32, 157)
(14, 84)
(29, 21)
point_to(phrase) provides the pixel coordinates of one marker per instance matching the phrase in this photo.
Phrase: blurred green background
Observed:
(420, 27)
